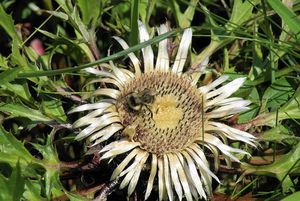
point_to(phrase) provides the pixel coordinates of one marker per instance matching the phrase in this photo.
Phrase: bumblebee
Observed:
(135, 101)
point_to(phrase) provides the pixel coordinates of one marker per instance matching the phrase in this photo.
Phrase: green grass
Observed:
(258, 39)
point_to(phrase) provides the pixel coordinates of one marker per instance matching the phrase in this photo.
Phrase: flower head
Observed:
(157, 115)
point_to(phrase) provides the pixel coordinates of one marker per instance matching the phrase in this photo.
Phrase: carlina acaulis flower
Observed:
(157, 115)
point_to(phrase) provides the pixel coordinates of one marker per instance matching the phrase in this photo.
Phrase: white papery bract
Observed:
(168, 133)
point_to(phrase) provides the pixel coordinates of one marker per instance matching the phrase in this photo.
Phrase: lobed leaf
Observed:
(16, 110)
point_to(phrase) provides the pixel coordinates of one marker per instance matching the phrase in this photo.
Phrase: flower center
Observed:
(163, 107)
(162, 111)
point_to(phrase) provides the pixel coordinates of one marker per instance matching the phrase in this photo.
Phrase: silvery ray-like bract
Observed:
(167, 135)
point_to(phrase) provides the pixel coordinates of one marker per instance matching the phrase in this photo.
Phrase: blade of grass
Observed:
(134, 22)
(288, 16)
(234, 196)
(100, 61)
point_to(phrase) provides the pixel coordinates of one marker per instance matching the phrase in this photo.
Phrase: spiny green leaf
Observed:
(33, 190)
(88, 7)
(290, 110)
(18, 58)
(51, 162)
(53, 108)
(64, 4)
(254, 108)
(16, 183)
(277, 134)
(293, 197)
(9, 75)
(53, 186)
(12, 187)
(257, 66)
(5, 193)
(49, 34)
(241, 12)
(278, 93)
(58, 14)
(48, 151)
(16, 110)
(19, 90)
(184, 19)
(145, 9)
(12, 150)
(280, 168)
(3, 62)
(8, 25)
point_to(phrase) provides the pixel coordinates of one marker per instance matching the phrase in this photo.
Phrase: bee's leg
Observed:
(151, 114)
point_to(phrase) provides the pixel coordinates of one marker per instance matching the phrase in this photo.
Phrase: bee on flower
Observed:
(164, 119)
